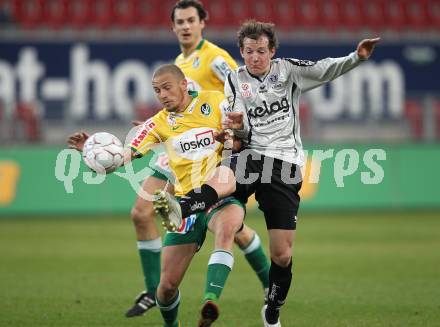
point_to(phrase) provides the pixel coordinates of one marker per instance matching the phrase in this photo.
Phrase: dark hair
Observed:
(254, 30)
(171, 69)
(183, 4)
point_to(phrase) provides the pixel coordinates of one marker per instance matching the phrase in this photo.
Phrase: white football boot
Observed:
(265, 323)
(169, 210)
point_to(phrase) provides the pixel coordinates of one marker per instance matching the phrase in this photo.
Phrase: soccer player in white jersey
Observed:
(265, 95)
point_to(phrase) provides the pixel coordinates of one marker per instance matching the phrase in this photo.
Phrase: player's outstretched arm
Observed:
(366, 47)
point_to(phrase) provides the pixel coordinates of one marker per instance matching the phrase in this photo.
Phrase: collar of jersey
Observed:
(194, 95)
(192, 54)
(258, 77)
(200, 45)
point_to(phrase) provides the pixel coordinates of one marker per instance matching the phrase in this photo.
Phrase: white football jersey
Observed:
(270, 104)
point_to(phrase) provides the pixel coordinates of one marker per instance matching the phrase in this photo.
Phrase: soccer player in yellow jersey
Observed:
(186, 126)
(205, 66)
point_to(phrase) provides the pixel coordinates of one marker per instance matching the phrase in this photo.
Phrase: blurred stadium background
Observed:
(367, 252)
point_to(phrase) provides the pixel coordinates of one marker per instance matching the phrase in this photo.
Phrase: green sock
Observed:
(257, 259)
(219, 266)
(170, 310)
(149, 252)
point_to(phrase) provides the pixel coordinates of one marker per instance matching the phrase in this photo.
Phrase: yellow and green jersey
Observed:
(188, 136)
(207, 67)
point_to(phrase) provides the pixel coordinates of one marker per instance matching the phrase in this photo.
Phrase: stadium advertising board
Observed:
(106, 80)
(48, 180)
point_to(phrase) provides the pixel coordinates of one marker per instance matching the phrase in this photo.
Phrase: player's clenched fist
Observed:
(365, 48)
(233, 120)
(76, 141)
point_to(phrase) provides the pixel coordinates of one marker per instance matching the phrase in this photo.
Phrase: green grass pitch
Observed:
(361, 270)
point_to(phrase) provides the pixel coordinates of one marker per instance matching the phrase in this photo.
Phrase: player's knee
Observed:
(141, 215)
(168, 288)
(281, 258)
(226, 231)
(232, 182)
(244, 237)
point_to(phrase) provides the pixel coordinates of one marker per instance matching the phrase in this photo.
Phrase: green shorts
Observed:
(194, 227)
(157, 161)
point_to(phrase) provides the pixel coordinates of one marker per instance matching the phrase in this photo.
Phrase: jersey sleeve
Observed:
(236, 104)
(222, 64)
(145, 138)
(313, 74)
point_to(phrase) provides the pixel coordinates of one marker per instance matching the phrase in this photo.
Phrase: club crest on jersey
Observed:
(246, 90)
(273, 78)
(205, 109)
(172, 120)
(196, 62)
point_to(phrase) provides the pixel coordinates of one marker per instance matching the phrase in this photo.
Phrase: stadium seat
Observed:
(79, 13)
(416, 13)
(330, 15)
(28, 13)
(26, 116)
(308, 14)
(395, 18)
(163, 12)
(433, 12)
(373, 15)
(124, 13)
(6, 12)
(262, 10)
(351, 17)
(219, 14)
(284, 15)
(437, 119)
(148, 13)
(102, 14)
(55, 13)
(413, 112)
(240, 12)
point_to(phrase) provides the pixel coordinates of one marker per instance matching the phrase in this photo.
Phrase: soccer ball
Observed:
(103, 153)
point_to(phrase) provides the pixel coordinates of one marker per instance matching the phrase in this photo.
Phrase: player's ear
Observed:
(202, 23)
(241, 53)
(184, 84)
(272, 52)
